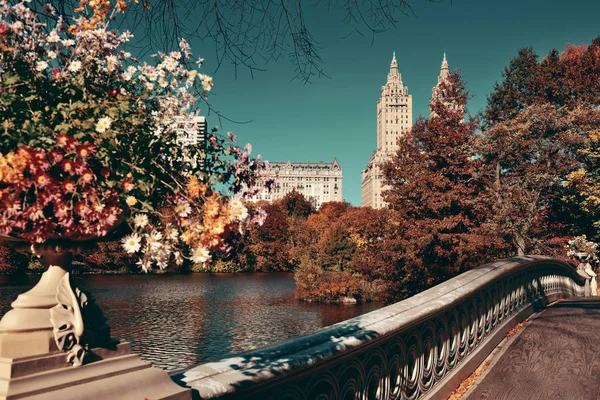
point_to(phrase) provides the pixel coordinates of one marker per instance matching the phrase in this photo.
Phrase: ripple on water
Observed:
(181, 320)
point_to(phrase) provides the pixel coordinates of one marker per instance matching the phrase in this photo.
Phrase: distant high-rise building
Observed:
(394, 119)
(319, 181)
(190, 130)
(437, 91)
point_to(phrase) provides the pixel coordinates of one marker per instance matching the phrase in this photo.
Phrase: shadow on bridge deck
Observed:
(557, 356)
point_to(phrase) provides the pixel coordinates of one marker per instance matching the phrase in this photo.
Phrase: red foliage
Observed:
(436, 194)
(537, 119)
(268, 245)
(11, 261)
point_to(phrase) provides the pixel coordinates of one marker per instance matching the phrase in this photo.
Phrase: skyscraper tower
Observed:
(394, 119)
(437, 91)
(394, 110)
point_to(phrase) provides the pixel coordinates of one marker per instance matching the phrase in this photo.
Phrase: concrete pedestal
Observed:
(114, 373)
(44, 338)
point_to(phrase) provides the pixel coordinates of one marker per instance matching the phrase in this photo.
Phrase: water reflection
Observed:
(177, 321)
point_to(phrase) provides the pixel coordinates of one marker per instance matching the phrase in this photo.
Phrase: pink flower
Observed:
(56, 156)
(66, 223)
(85, 150)
(67, 166)
(80, 167)
(82, 209)
(62, 139)
(61, 211)
(42, 180)
(86, 177)
(34, 213)
(68, 186)
(127, 185)
(13, 208)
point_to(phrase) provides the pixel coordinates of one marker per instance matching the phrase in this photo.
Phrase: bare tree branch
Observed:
(250, 33)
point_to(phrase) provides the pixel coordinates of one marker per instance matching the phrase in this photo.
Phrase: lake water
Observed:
(175, 321)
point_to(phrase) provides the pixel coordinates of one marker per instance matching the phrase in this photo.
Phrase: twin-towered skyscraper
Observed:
(394, 119)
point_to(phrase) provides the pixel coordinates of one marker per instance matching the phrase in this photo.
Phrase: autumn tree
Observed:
(518, 87)
(536, 120)
(380, 256)
(582, 72)
(268, 245)
(296, 205)
(336, 248)
(435, 191)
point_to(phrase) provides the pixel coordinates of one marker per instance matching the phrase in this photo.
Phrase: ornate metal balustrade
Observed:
(422, 347)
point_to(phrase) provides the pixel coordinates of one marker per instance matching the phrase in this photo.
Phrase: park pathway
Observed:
(556, 356)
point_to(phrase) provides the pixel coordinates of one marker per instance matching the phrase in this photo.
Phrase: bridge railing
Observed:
(421, 347)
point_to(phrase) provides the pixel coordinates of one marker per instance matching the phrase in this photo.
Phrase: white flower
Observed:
(145, 264)
(127, 75)
(132, 243)
(103, 124)
(185, 47)
(149, 72)
(75, 66)
(111, 62)
(149, 85)
(162, 82)
(53, 37)
(41, 66)
(154, 239)
(207, 82)
(125, 36)
(178, 258)
(52, 54)
(200, 255)
(173, 234)
(238, 209)
(68, 42)
(183, 209)
(130, 200)
(140, 220)
(170, 63)
(16, 26)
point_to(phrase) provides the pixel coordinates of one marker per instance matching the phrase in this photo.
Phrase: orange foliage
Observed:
(469, 382)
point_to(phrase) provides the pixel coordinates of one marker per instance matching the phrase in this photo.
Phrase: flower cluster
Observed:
(89, 140)
(184, 225)
(582, 249)
(59, 191)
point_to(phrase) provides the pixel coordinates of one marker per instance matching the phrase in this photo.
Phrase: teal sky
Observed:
(336, 116)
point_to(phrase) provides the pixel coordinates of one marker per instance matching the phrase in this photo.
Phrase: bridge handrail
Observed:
(419, 347)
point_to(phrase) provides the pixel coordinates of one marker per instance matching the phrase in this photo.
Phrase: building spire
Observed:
(444, 70)
(393, 75)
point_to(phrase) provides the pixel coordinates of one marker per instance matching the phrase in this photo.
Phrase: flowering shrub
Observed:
(89, 140)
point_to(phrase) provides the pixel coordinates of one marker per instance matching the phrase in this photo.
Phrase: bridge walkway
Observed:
(556, 356)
